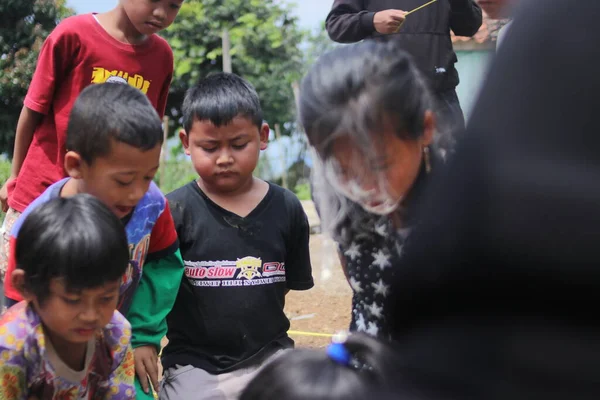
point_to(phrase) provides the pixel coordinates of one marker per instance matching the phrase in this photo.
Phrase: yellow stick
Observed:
(418, 8)
(328, 335)
(412, 11)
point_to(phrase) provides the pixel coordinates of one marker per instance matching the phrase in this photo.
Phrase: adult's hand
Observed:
(388, 21)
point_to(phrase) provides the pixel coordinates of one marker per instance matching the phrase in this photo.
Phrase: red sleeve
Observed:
(164, 235)
(9, 289)
(53, 64)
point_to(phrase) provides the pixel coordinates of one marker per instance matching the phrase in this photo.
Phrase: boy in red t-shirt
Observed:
(118, 46)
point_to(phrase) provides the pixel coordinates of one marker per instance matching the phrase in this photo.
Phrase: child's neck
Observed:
(73, 355)
(240, 201)
(71, 188)
(117, 24)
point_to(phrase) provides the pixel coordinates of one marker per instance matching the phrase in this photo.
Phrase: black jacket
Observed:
(425, 34)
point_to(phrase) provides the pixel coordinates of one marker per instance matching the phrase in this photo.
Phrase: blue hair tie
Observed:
(338, 353)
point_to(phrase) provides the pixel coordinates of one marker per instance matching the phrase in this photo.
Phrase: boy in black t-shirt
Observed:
(244, 242)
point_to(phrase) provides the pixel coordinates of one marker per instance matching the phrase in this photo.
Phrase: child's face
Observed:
(151, 16)
(379, 179)
(119, 179)
(74, 317)
(225, 157)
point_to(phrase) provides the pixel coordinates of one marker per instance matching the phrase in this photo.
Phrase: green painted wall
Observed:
(472, 67)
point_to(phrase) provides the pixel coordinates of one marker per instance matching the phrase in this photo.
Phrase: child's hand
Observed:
(4, 194)
(146, 366)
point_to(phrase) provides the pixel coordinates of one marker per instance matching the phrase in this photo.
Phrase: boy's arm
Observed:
(28, 121)
(122, 370)
(154, 298)
(298, 269)
(13, 380)
(159, 284)
(121, 380)
(152, 301)
(54, 63)
(164, 92)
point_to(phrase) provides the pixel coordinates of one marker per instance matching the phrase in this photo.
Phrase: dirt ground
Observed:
(326, 307)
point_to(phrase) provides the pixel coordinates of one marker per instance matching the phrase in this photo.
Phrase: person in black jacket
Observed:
(425, 35)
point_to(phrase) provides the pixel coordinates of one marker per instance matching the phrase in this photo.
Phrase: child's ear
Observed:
(18, 281)
(185, 141)
(428, 128)
(73, 165)
(264, 136)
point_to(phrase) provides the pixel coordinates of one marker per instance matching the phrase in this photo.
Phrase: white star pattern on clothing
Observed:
(360, 323)
(381, 230)
(381, 259)
(353, 251)
(375, 310)
(373, 329)
(380, 288)
(355, 285)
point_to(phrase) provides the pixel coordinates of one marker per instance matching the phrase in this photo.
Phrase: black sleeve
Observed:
(349, 22)
(465, 17)
(298, 269)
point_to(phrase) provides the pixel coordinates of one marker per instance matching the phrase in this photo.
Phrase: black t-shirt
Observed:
(229, 310)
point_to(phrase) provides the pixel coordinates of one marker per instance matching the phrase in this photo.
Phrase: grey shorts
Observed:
(185, 382)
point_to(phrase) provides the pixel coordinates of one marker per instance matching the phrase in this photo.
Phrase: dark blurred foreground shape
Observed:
(499, 295)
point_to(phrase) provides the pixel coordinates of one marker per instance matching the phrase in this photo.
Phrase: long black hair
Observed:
(357, 91)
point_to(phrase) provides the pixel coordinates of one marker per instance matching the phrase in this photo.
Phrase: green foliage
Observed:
(319, 43)
(265, 41)
(176, 174)
(24, 26)
(303, 191)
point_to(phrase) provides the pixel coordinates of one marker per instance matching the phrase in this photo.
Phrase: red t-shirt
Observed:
(77, 53)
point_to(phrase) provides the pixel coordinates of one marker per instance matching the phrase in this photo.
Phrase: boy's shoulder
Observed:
(150, 207)
(117, 334)
(288, 198)
(51, 192)
(73, 23)
(154, 194)
(187, 197)
(159, 41)
(182, 194)
(20, 329)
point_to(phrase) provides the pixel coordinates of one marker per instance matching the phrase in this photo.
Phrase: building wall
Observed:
(472, 67)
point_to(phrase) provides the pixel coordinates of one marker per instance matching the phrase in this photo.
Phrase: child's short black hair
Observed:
(311, 374)
(76, 238)
(219, 98)
(112, 111)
